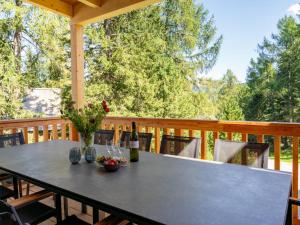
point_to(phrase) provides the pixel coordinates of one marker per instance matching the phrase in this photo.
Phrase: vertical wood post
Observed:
(25, 132)
(203, 144)
(277, 141)
(295, 177)
(77, 64)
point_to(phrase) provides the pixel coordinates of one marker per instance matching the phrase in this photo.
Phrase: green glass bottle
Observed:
(134, 144)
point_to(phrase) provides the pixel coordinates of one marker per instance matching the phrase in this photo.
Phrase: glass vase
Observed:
(87, 147)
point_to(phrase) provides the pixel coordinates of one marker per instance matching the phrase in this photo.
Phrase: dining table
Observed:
(158, 189)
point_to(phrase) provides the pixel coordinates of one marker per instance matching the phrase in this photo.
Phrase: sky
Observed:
(244, 24)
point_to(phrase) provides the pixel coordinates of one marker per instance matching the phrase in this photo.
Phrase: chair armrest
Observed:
(5, 176)
(294, 201)
(110, 220)
(28, 199)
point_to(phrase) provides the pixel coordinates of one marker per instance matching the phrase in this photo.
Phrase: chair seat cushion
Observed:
(5, 193)
(35, 213)
(73, 220)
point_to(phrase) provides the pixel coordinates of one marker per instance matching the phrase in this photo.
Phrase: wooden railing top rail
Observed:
(32, 122)
(250, 127)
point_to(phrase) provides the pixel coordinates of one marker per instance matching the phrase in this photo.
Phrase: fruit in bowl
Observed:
(102, 159)
(111, 165)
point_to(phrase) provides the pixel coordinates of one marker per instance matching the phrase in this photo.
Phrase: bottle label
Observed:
(134, 144)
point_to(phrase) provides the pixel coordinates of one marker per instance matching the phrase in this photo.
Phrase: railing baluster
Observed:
(36, 134)
(191, 133)
(45, 133)
(295, 177)
(117, 133)
(25, 133)
(244, 137)
(203, 144)
(70, 131)
(260, 138)
(229, 136)
(166, 131)
(63, 131)
(216, 135)
(157, 139)
(178, 132)
(54, 130)
(140, 129)
(277, 141)
(149, 129)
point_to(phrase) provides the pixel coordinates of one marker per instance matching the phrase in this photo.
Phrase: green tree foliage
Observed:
(146, 62)
(229, 98)
(273, 78)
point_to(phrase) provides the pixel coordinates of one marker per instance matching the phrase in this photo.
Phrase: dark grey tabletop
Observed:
(159, 189)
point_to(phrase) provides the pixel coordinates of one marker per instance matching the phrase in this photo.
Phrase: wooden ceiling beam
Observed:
(56, 6)
(91, 3)
(84, 14)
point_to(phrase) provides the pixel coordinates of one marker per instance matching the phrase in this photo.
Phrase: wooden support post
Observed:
(157, 139)
(203, 144)
(277, 142)
(1, 131)
(77, 64)
(25, 133)
(13, 131)
(45, 133)
(295, 177)
(36, 134)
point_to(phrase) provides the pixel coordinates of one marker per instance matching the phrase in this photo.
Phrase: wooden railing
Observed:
(44, 129)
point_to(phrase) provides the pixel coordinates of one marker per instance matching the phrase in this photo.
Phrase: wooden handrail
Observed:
(57, 128)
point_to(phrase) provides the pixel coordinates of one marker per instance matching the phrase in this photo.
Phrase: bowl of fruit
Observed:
(111, 165)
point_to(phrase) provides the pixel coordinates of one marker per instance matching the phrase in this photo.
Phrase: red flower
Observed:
(107, 110)
(104, 104)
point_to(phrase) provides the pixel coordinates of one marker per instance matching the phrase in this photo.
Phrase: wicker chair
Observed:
(6, 141)
(102, 136)
(144, 140)
(180, 146)
(249, 154)
(26, 210)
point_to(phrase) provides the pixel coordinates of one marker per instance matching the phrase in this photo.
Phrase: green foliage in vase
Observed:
(87, 119)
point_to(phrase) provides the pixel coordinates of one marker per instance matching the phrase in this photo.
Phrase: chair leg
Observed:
(83, 208)
(66, 207)
(20, 188)
(28, 188)
(15, 184)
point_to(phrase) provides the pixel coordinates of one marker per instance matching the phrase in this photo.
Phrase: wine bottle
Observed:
(134, 144)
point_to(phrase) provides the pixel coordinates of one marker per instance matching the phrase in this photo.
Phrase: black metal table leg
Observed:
(16, 189)
(58, 207)
(95, 215)
(83, 208)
